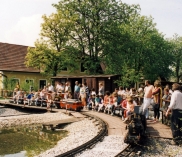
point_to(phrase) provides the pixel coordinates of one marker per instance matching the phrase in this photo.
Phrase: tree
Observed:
(50, 52)
(138, 50)
(176, 42)
(93, 21)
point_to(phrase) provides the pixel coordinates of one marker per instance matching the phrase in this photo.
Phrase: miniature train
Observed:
(70, 104)
(136, 127)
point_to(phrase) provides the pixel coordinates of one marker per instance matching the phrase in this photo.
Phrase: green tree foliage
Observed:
(50, 52)
(176, 43)
(138, 50)
(93, 21)
(108, 32)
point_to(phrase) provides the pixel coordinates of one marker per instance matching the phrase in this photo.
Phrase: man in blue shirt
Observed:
(76, 90)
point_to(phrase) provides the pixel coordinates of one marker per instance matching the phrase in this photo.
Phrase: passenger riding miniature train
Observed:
(70, 104)
(136, 127)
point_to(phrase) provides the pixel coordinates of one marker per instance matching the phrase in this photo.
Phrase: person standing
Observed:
(147, 97)
(76, 90)
(83, 95)
(157, 96)
(166, 99)
(176, 116)
(86, 91)
(50, 87)
(67, 87)
(101, 89)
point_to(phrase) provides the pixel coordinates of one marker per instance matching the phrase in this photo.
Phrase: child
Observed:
(69, 96)
(93, 102)
(97, 101)
(115, 103)
(166, 98)
(29, 98)
(130, 108)
(109, 105)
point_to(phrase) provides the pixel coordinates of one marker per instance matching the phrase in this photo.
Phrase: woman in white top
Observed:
(101, 89)
(83, 95)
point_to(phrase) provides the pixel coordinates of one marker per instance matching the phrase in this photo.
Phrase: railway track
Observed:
(110, 126)
(107, 124)
(103, 132)
(130, 150)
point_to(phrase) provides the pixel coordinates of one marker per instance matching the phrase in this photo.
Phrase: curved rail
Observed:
(90, 143)
(127, 151)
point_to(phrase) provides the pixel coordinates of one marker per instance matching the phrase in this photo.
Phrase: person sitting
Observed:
(133, 92)
(130, 108)
(97, 101)
(19, 96)
(115, 103)
(37, 98)
(92, 92)
(101, 104)
(89, 106)
(106, 100)
(57, 99)
(49, 100)
(69, 96)
(109, 104)
(93, 102)
(29, 98)
(58, 96)
(118, 106)
(124, 108)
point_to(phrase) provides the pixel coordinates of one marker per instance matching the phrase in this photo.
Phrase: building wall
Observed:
(22, 77)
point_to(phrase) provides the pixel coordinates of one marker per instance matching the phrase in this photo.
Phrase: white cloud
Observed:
(25, 31)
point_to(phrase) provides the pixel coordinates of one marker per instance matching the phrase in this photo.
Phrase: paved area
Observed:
(115, 124)
(158, 129)
(117, 127)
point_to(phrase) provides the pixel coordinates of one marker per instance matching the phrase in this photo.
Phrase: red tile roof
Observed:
(12, 58)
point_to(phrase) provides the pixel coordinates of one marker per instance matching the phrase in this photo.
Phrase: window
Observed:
(42, 83)
(30, 82)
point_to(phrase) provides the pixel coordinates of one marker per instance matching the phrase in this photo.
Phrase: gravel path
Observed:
(109, 147)
(158, 147)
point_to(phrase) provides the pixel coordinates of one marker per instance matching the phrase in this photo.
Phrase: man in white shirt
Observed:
(147, 97)
(50, 87)
(176, 116)
(58, 87)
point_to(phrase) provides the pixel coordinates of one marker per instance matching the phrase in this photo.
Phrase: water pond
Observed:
(28, 141)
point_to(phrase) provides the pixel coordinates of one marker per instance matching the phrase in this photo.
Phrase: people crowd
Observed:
(101, 100)
(121, 101)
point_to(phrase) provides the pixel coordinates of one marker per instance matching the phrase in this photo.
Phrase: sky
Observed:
(21, 19)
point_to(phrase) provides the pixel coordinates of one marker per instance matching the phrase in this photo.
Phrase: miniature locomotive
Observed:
(136, 127)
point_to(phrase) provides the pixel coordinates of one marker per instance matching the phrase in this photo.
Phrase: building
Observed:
(13, 68)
